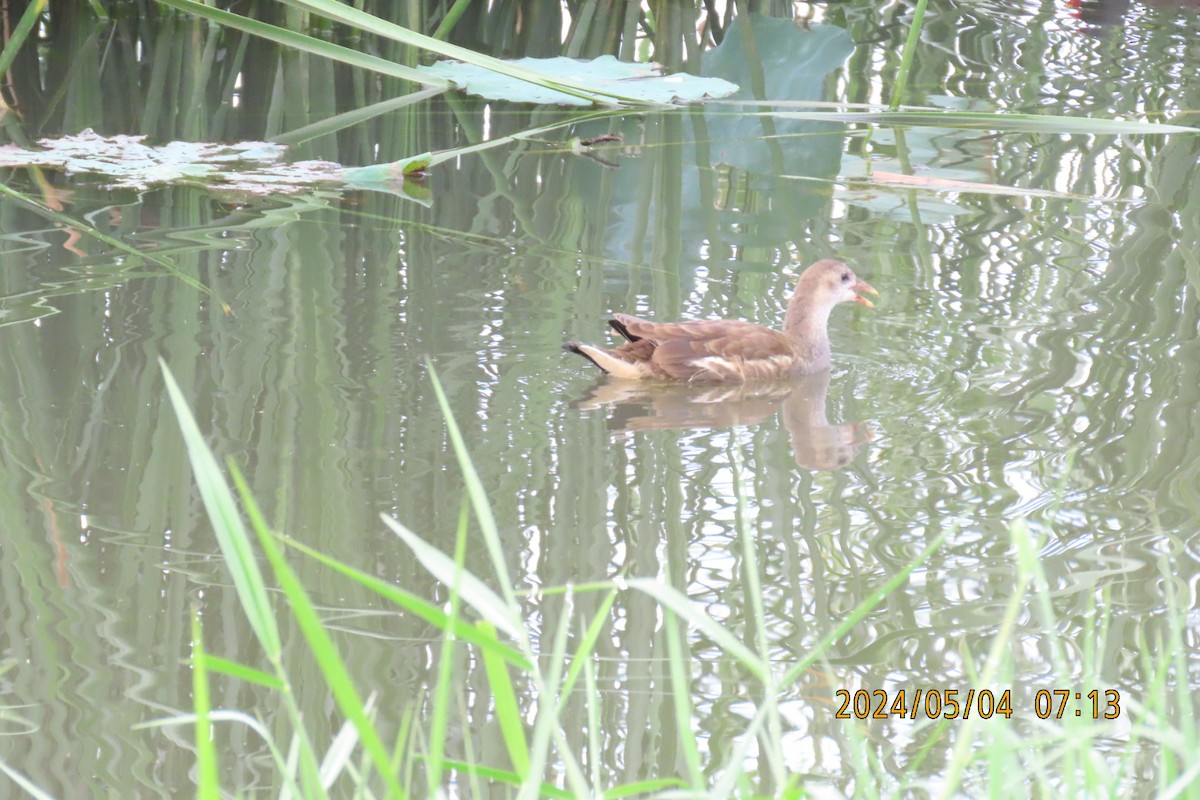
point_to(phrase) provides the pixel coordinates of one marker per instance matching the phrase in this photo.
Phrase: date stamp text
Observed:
(965, 703)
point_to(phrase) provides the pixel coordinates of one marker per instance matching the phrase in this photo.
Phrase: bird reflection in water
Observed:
(816, 444)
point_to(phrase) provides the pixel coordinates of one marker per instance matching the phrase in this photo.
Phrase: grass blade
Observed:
(1002, 643)
(337, 677)
(507, 778)
(508, 710)
(420, 607)
(242, 719)
(547, 726)
(28, 785)
(19, 33)
(474, 591)
(591, 695)
(649, 786)
(303, 42)
(681, 697)
(590, 637)
(242, 672)
(337, 757)
(444, 687)
(227, 524)
(673, 599)
(860, 611)
(208, 783)
(479, 501)
(356, 116)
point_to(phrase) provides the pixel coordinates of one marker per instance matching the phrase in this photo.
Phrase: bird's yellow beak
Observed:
(863, 286)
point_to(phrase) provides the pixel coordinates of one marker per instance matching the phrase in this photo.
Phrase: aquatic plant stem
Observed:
(24, 25)
(906, 58)
(208, 783)
(451, 19)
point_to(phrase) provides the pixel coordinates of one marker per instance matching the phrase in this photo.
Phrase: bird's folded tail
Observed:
(607, 362)
(578, 347)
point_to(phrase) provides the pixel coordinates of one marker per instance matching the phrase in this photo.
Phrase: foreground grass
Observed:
(996, 757)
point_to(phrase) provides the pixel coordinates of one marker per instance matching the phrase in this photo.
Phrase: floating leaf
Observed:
(935, 184)
(855, 185)
(606, 75)
(127, 162)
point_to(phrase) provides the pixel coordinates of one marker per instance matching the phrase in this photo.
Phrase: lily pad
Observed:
(127, 162)
(611, 81)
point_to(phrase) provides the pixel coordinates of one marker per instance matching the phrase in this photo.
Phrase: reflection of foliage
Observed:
(232, 78)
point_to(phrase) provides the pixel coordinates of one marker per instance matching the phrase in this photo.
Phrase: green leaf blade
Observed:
(473, 591)
(231, 534)
(302, 42)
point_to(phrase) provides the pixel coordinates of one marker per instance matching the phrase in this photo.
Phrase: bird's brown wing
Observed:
(740, 352)
(634, 328)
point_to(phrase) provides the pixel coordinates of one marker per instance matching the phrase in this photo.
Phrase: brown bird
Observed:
(733, 350)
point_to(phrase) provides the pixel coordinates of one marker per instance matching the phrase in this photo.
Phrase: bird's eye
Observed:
(845, 277)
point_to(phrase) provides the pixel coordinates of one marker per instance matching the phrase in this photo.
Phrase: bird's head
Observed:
(829, 282)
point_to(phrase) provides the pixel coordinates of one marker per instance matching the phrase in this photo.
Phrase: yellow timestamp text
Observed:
(983, 703)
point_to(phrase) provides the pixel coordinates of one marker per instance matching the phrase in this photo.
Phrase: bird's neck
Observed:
(804, 324)
(807, 328)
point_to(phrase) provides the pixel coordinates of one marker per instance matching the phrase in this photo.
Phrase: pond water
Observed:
(1035, 355)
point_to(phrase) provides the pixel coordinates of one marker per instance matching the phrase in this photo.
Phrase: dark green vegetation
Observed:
(667, 608)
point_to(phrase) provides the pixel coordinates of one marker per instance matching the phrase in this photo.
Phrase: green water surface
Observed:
(1035, 354)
